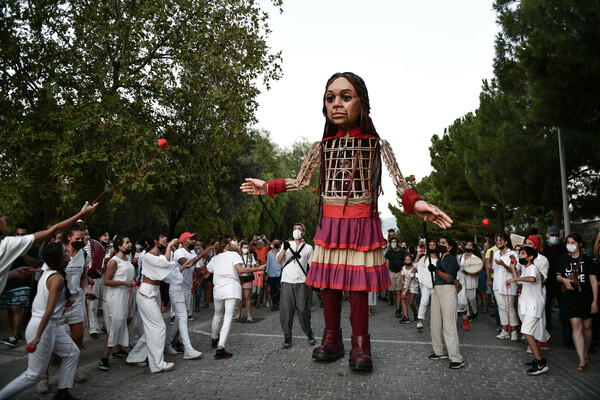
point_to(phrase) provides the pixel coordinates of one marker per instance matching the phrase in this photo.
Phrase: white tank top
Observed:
(40, 303)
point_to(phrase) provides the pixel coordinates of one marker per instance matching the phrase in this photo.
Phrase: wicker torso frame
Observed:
(344, 158)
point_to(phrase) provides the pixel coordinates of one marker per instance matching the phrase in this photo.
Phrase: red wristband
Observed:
(276, 186)
(408, 200)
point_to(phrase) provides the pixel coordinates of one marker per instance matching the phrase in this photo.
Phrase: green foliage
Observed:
(87, 88)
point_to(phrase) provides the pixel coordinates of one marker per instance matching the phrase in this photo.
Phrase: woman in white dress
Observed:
(119, 282)
(44, 333)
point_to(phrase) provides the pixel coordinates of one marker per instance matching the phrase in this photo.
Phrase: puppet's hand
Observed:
(432, 213)
(254, 187)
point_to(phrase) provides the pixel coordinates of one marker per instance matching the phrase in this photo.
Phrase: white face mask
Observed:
(245, 250)
(571, 248)
(297, 234)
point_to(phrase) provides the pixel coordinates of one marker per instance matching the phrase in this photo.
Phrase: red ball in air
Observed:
(30, 348)
(485, 222)
(413, 178)
(162, 143)
(314, 190)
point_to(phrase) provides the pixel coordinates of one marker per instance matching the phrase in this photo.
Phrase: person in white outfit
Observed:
(180, 294)
(226, 269)
(424, 278)
(531, 309)
(98, 289)
(156, 268)
(119, 282)
(505, 268)
(43, 333)
(77, 284)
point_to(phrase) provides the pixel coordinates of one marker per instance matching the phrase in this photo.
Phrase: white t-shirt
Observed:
(531, 301)
(74, 269)
(291, 272)
(414, 284)
(501, 275)
(11, 248)
(543, 265)
(157, 268)
(423, 273)
(188, 273)
(226, 282)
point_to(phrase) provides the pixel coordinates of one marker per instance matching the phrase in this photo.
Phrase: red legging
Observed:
(359, 311)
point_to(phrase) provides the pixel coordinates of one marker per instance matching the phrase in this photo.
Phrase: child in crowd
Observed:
(531, 309)
(410, 287)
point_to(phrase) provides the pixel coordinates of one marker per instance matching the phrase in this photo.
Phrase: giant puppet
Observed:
(349, 239)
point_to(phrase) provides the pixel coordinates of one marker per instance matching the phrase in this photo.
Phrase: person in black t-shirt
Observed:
(577, 272)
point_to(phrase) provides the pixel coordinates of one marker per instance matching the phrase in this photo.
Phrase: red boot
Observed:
(331, 348)
(466, 325)
(360, 355)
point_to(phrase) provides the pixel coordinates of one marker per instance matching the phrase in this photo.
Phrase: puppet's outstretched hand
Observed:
(432, 213)
(254, 187)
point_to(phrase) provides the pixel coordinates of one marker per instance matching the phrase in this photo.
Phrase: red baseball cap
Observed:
(186, 235)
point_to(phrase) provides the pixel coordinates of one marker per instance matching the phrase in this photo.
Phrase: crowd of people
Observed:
(521, 282)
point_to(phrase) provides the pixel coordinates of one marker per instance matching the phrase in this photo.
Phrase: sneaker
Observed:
(405, 320)
(503, 335)
(311, 339)
(249, 318)
(79, 376)
(514, 336)
(457, 365)
(543, 346)
(103, 364)
(11, 341)
(178, 348)
(168, 367)
(419, 325)
(191, 353)
(286, 343)
(222, 353)
(529, 351)
(436, 357)
(538, 367)
(121, 354)
(42, 386)
(190, 318)
(237, 316)
(170, 350)
(214, 343)
(398, 314)
(94, 335)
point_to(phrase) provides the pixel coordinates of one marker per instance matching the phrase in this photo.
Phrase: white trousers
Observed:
(53, 340)
(443, 322)
(93, 305)
(152, 343)
(136, 321)
(472, 299)
(425, 299)
(179, 303)
(224, 310)
(506, 309)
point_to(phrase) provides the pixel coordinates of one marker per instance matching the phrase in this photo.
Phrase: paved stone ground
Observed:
(261, 369)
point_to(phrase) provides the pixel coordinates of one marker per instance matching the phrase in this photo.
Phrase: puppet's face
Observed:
(342, 104)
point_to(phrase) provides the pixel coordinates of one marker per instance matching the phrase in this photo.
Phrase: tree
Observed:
(87, 87)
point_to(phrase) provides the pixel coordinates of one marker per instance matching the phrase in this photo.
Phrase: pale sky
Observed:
(422, 61)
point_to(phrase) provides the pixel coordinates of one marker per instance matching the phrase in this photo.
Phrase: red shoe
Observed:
(331, 348)
(543, 346)
(360, 355)
(466, 324)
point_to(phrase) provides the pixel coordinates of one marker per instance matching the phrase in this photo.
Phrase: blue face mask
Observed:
(553, 240)
(394, 245)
